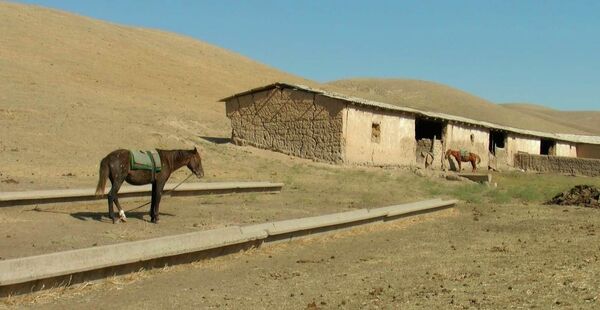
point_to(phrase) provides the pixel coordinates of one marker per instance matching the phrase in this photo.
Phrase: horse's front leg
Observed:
(153, 204)
(159, 190)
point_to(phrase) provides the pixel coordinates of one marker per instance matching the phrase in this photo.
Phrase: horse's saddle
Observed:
(464, 153)
(145, 160)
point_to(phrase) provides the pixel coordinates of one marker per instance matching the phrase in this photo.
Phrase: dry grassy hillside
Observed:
(436, 97)
(588, 121)
(73, 88)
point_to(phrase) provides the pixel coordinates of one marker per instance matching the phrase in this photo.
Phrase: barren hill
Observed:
(436, 97)
(73, 88)
(588, 121)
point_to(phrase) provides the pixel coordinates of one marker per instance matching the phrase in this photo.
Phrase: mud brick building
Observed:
(332, 127)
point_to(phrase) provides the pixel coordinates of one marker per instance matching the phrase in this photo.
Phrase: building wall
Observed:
(558, 164)
(313, 126)
(396, 145)
(458, 136)
(565, 149)
(428, 155)
(516, 143)
(588, 150)
(289, 121)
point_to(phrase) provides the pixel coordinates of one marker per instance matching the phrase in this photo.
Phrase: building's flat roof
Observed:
(385, 106)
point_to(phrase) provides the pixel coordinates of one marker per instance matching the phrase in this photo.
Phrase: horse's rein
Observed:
(165, 192)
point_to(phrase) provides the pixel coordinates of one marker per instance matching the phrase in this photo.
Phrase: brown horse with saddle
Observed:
(464, 156)
(140, 168)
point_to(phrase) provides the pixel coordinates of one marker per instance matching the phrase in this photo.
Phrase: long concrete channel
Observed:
(27, 274)
(8, 199)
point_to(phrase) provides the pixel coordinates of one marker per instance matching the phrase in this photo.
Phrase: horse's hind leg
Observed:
(474, 165)
(122, 216)
(112, 197)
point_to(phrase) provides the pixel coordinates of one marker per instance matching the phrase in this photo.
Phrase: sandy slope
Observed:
(583, 120)
(441, 98)
(74, 88)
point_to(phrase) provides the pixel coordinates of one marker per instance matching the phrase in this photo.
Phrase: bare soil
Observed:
(73, 89)
(474, 256)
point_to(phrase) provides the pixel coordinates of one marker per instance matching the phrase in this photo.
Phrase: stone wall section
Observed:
(428, 156)
(558, 164)
(289, 121)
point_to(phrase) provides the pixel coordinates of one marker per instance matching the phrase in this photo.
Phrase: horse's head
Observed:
(195, 163)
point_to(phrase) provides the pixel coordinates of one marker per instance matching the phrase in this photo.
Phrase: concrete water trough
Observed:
(26, 274)
(477, 177)
(8, 199)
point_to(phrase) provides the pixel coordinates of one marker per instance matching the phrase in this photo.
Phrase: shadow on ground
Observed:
(103, 216)
(216, 140)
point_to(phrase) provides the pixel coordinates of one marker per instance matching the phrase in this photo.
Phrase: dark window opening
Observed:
(426, 129)
(375, 133)
(547, 147)
(497, 140)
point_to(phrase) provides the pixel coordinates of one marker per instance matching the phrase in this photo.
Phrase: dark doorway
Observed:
(497, 140)
(426, 129)
(547, 147)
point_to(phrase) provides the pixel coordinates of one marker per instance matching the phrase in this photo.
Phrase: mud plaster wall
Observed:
(565, 149)
(458, 137)
(424, 146)
(558, 164)
(289, 121)
(588, 150)
(500, 158)
(396, 145)
(518, 143)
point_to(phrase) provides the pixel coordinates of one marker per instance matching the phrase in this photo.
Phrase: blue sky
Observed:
(545, 52)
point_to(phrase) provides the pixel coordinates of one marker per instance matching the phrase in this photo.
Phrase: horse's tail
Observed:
(103, 176)
(478, 159)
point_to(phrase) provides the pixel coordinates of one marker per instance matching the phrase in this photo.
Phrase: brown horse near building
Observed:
(473, 158)
(116, 166)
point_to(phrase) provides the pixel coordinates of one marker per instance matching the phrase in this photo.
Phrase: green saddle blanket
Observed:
(141, 160)
(464, 153)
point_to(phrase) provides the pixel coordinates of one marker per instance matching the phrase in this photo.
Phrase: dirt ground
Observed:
(473, 256)
(73, 89)
(37, 229)
(499, 247)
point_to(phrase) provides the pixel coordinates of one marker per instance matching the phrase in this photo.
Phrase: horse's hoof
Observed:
(122, 216)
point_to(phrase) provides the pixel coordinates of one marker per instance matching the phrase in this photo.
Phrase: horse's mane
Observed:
(177, 156)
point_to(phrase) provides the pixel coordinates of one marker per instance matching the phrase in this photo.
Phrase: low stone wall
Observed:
(428, 156)
(560, 164)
